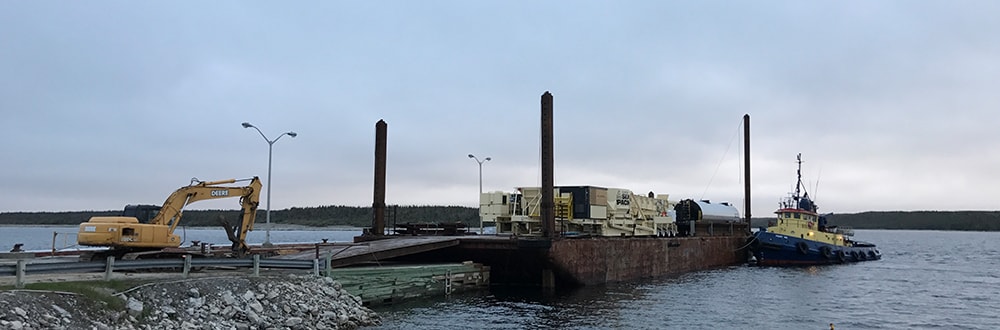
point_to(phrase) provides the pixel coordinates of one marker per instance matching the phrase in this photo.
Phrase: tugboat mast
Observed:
(798, 172)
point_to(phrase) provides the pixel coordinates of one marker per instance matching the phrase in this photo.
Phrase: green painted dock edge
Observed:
(379, 285)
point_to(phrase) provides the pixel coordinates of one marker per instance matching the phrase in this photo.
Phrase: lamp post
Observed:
(270, 145)
(480, 188)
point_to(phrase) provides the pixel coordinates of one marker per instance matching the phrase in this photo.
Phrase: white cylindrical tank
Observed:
(706, 211)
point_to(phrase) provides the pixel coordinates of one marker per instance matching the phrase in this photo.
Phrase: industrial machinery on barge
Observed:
(580, 210)
(691, 213)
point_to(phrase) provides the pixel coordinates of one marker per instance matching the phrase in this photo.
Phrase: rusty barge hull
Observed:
(569, 262)
(602, 260)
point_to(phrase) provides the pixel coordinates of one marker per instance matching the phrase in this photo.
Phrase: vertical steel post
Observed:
(267, 217)
(480, 197)
(187, 265)
(548, 181)
(746, 168)
(109, 268)
(481, 231)
(548, 279)
(256, 265)
(329, 263)
(378, 205)
(19, 280)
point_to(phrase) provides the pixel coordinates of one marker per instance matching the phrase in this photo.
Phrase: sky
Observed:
(892, 104)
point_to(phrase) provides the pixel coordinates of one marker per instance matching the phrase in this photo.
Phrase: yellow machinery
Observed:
(135, 232)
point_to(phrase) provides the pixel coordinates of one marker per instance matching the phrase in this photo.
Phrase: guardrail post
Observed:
(329, 261)
(109, 268)
(316, 267)
(19, 282)
(447, 283)
(256, 265)
(187, 265)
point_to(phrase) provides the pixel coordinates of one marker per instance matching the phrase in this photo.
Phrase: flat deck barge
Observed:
(557, 262)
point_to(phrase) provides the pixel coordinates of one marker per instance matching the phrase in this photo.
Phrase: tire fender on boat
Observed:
(854, 254)
(826, 252)
(802, 247)
(841, 255)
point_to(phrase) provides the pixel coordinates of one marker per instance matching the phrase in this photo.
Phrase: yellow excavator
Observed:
(147, 228)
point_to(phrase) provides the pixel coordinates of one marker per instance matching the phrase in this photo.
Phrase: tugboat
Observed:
(801, 236)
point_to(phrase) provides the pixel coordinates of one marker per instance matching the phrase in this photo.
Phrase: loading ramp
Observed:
(346, 254)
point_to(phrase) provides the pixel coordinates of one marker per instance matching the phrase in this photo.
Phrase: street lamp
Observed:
(480, 189)
(270, 145)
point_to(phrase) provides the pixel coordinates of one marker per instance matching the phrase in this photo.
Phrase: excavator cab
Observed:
(144, 213)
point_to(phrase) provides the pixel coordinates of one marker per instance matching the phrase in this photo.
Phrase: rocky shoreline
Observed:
(225, 302)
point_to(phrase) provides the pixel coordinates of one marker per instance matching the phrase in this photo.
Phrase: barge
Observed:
(567, 236)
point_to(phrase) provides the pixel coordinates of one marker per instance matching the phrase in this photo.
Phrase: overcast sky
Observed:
(894, 105)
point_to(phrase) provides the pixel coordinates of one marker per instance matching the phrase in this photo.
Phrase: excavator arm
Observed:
(173, 208)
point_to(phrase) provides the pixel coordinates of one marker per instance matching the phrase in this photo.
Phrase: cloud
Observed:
(891, 103)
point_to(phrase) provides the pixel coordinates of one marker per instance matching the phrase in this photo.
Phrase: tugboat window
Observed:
(796, 215)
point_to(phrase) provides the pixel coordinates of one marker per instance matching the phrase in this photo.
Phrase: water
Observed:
(926, 280)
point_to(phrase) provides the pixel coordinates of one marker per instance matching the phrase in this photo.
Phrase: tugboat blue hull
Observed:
(772, 249)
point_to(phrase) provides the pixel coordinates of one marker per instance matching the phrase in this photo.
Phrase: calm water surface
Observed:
(926, 280)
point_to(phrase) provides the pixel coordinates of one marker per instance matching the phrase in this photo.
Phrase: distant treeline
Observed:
(929, 220)
(309, 216)
(362, 217)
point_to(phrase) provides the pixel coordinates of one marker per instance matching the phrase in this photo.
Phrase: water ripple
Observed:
(927, 280)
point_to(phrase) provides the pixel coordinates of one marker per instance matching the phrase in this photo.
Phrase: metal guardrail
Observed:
(57, 267)
(24, 267)
(150, 264)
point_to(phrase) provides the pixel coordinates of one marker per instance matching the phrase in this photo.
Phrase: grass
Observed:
(94, 290)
